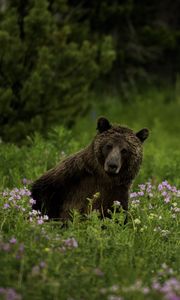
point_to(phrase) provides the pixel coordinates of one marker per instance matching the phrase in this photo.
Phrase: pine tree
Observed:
(45, 70)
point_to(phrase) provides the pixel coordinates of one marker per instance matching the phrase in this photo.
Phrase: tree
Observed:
(45, 70)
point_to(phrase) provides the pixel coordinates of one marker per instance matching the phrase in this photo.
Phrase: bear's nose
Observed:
(112, 167)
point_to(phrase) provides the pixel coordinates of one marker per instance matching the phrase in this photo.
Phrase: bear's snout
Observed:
(112, 163)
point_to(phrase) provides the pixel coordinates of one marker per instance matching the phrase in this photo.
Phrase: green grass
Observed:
(93, 258)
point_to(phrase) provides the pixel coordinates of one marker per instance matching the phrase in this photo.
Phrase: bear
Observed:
(107, 166)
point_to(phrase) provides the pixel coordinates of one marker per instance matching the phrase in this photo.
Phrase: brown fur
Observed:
(80, 176)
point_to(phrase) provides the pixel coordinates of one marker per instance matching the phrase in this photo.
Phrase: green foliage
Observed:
(146, 37)
(93, 258)
(45, 72)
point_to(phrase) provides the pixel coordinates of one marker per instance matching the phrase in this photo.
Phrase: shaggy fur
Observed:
(68, 185)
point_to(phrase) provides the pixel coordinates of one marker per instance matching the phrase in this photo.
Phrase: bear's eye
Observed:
(124, 151)
(109, 147)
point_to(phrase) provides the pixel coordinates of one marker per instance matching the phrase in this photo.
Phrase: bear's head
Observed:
(118, 149)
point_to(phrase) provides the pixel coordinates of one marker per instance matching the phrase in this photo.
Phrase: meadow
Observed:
(93, 258)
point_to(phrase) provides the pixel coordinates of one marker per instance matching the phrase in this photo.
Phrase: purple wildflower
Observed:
(133, 195)
(9, 294)
(6, 247)
(98, 272)
(40, 221)
(5, 193)
(141, 193)
(32, 201)
(21, 248)
(71, 243)
(6, 205)
(142, 187)
(13, 240)
(42, 264)
(160, 187)
(24, 181)
(167, 199)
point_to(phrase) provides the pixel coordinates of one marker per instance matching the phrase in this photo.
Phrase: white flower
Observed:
(117, 203)
(137, 221)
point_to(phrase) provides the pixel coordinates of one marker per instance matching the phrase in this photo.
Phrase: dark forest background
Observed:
(54, 54)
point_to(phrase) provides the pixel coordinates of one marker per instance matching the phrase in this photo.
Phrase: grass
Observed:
(93, 258)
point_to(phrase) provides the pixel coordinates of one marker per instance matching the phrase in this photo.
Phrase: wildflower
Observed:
(28, 193)
(117, 203)
(6, 247)
(165, 233)
(133, 195)
(112, 297)
(6, 205)
(98, 272)
(149, 187)
(165, 183)
(175, 209)
(137, 221)
(33, 213)
(4, 194)
(35, 270)
(40, 221)
(42, 264)
(156, 285)
(21, 248)
(145, 290)
(32, 201)
(164, 193)
(160, 187)
(152, 216)
(9, 294)
(156, 229)
(164, 266)
(143, 228)
(141, 193)
(71, 243)
(135, 202)
(13, 241)
(167, 199)
(114, 288)
(24, 181)
(11, 198)
(142, 187)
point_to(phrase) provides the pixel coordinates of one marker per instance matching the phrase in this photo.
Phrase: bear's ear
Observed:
(103, 124)
(142, 134)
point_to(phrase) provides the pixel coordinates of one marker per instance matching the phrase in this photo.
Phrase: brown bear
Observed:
(108, 166)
